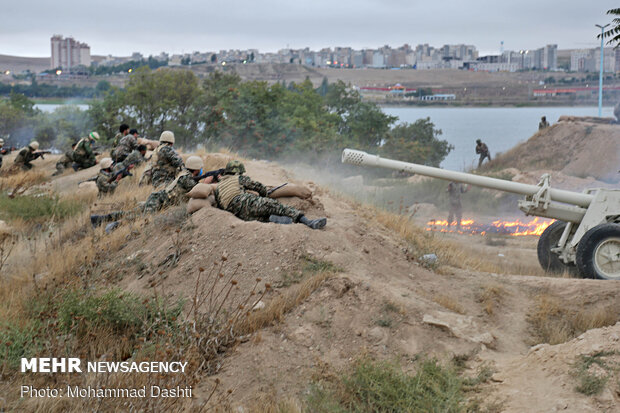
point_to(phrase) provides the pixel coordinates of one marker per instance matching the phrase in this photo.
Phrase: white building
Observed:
(68, 53)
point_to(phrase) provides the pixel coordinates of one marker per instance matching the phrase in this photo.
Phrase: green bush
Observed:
(37, 208)
(382, 387)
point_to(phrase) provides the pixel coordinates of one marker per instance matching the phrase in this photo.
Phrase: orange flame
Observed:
(535, 226)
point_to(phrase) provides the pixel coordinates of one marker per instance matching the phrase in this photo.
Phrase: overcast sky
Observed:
(120, 27)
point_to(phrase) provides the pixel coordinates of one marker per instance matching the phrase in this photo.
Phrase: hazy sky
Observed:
(120, 27)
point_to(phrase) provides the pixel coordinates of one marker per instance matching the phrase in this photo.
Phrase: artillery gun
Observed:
(585, 235)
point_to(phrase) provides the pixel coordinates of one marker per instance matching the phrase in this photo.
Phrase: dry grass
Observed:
(554, 321)
(449, 253)
(22, 180)
(449, 302)
(490, 297)
(277, 307)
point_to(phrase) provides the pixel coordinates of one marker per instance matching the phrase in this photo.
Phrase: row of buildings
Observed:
(68, 53)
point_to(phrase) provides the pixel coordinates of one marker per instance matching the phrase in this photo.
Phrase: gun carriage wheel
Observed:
(598, 252)
(550, 261)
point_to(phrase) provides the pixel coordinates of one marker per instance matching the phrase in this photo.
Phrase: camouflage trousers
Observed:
(156, 201)
(162, 177)
(83, 161)
(250, 207)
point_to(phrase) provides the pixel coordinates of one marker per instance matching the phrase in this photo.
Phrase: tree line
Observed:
(255, 118)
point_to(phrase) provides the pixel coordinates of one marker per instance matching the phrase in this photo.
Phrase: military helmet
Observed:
(235, 167)
(94, 135)
(1, 141)
(194, 163)
(34, 145)
(167, 136)
(478, 141)
(106, 163)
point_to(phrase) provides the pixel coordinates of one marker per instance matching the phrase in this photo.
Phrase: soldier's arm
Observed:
(174, 158)
(251, 185)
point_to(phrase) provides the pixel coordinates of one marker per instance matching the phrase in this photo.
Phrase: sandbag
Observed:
(196, 204)
(292, 190)
(150, 145)
(88, 188)
(201, 191)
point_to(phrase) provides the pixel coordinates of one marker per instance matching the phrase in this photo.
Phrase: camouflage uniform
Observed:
(135, 158)
(483, 150)
(456, 210)
(230, 195)
(24, 157)
(126, 145)
(117, 139)
(103, 184)
(166, 164)
(83, 154)
(64, 162)
(174, 193)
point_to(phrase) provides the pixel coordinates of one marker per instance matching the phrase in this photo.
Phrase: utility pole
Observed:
(600, 76)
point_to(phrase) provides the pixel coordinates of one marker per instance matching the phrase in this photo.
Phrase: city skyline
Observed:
(122, 28)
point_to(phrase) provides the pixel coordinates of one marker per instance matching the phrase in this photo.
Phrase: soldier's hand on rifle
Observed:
(119, 177)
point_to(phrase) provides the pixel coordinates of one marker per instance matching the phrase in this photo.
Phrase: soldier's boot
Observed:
(97, 220)
(313, 223)
(111, 226)
(280, 219)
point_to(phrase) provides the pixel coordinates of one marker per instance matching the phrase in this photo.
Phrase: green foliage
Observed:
(613, 34)
(417, 143)
(592, 383)
(382, 387)
(77, 313)
(114, 310)
(259, 119)
(37, 208)
(19, 341)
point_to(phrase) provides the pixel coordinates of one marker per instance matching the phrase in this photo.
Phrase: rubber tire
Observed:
(588, 245)
(549, 261)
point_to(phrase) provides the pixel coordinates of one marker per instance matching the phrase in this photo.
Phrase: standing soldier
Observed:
(105, 182)
(231, 196)
(176, 190)
(483, 150)
(83, 154)
(65, 161)
(27, 155)
(126, 145)
(456, 210)
(166, 162)
(543, 124)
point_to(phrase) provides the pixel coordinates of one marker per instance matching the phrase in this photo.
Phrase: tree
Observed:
(614, 32)
(417, 142)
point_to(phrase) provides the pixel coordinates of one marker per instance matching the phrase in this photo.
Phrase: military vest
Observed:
(227, 189)
(79, 148)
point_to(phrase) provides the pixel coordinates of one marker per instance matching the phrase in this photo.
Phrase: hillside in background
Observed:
(578, 147)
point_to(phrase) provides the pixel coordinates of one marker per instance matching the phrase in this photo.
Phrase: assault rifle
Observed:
(122, 173)
(40, 154)
(214, 174)
(272, 190)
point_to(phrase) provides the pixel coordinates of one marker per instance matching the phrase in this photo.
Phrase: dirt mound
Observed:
(548, 376)
(574, 146)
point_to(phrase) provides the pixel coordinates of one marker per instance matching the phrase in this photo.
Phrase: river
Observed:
(500, 128)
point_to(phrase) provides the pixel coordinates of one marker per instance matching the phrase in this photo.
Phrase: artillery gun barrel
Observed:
(356, 157)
